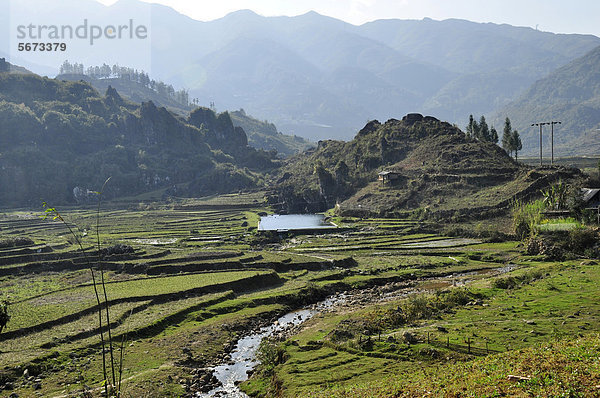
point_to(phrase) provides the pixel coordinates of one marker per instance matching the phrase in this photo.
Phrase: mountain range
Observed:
(319, 77)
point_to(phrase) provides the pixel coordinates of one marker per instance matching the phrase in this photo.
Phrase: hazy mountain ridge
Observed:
(473, 47)
(319, 77)
(439, 68)
(571, 95)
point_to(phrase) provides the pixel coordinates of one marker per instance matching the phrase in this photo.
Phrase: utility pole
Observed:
(552, 140)
(540, 124)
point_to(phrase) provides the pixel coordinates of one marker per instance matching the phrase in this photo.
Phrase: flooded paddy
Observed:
(290, 222)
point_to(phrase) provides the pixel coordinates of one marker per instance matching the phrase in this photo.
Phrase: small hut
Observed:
(591, 197)
(388, 176)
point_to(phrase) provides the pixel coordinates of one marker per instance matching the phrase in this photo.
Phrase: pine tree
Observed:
(469, 129)
(517, 145)
(493, 135)
(507, 137)
(484, 130)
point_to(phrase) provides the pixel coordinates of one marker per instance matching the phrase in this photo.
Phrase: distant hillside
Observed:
(440, 172)
(261, 135)
(321, 78)
(60, 140)
(468, 47)
(131, 90)
(8, 67)
(264, 135)
(570, 95)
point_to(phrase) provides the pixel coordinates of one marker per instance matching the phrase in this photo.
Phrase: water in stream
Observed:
(243, 357)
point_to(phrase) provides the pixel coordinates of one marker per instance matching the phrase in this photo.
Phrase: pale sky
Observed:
(558, 16)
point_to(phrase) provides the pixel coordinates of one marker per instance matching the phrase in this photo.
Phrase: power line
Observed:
(552, 140)
(541, 124)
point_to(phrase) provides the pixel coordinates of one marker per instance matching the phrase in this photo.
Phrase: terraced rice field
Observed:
(195, 277)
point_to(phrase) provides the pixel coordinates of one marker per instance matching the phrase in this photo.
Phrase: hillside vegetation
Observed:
(264, 135)
(261, 134)
(61, 139)
(440, 173)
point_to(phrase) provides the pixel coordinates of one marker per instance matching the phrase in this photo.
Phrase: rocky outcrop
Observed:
(202, 117)
(219, 129)
(370, 127)
(112, 97)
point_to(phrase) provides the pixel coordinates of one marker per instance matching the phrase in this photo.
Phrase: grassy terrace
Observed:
(468, 349)
(198, 277)
(60, 304)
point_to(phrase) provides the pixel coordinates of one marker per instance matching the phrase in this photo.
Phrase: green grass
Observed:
(558, 225)
(56, 305)
(317, 365)
(558, 368)
(557, 306)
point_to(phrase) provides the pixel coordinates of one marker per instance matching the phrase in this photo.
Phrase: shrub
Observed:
(511, 282)
(417, 307)
(582, 239)
(526, 216)
(535, 246)
(507, 282)
(270, 354)
(4, 315)
(454, 297)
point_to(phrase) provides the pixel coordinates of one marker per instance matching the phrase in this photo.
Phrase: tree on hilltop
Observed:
(483, 132)
(517, 145)
(507, 137)
(480, 130)
(469, 128)
(493, 135)
(511, 140)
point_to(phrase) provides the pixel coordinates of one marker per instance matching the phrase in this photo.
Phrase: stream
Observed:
(243, 356)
